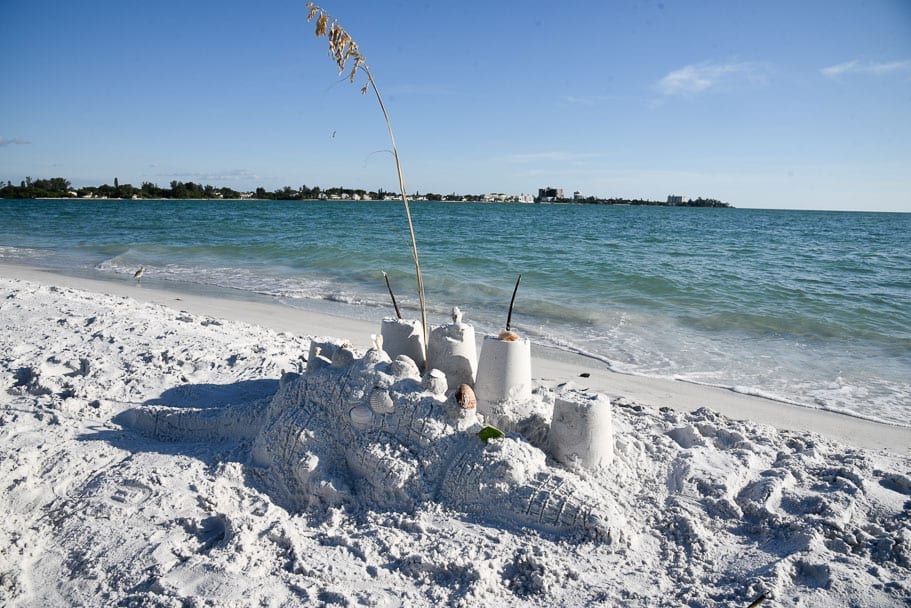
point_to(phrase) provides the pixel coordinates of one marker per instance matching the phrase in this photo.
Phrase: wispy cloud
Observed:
(866, 67)
(549, 156)
(589, 100)
(693, 79)
(422, 90)
(580, 100)
(233, 175)
(9, 141)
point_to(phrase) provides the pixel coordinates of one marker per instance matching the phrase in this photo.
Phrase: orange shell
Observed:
(464, 396)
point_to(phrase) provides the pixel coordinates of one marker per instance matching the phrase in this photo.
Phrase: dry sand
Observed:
(150, 455)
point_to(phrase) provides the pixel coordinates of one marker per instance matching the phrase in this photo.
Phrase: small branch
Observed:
(395, 305)
(511, 303)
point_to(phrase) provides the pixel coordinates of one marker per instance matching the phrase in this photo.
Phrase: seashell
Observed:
(321, 348)
(377, 341)
(456, 315)
(405, 367)
(375, 356)
(509, 336)
(361, 416)
(381, 401)
(464, 396)
(317, 360)
(435, 382)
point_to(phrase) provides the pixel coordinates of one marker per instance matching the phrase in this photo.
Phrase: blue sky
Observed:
(761, 104)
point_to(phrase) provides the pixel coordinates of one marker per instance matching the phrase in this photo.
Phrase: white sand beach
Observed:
(713, 498)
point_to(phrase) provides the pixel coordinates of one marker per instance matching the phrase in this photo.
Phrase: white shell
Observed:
(317, 362)
(373, 356)
(435, 382)
(456, 315)
(405, 367)
(361, 416)
(381, 401)
(377, 341)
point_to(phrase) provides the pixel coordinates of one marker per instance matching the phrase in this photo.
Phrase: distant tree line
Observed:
(58, 187)
(694, 202)
(54, 187)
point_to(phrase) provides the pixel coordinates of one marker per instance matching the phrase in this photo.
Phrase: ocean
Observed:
(811, 308)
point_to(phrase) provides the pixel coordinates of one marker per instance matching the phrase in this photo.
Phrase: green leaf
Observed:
(490, 432)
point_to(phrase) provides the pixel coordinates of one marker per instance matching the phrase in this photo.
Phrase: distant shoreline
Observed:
(603, 202)
(60, 188)
(570, 202)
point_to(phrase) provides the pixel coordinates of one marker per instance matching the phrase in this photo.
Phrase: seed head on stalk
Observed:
(342, 49)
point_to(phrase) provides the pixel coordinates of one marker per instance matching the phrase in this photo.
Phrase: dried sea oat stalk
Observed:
(343, 49)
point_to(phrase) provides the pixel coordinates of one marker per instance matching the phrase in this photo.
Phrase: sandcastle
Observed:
(375, 432)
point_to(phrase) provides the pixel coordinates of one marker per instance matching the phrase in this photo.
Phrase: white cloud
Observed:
(7, 141)
(866, 67)
(697, 78)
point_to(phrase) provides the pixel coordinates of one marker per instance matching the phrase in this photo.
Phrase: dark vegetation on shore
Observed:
(695, 202)
(58, 187)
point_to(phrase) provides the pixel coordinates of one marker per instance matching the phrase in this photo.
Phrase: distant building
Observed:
(676, 199)
(577, 196)
(550, 194)
(500, 197)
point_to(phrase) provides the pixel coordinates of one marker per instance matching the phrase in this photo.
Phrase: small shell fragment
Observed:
(381, 401)
(509, 336)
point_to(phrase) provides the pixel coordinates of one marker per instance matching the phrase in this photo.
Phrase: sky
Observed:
(766, 104)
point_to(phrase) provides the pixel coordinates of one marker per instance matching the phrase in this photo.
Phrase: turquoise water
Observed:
(812, 308)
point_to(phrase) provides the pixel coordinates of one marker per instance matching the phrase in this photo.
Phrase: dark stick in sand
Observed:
(759, 600)
(511, 302)
(395, 305)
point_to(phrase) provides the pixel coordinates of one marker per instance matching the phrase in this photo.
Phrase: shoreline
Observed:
(549, 365)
